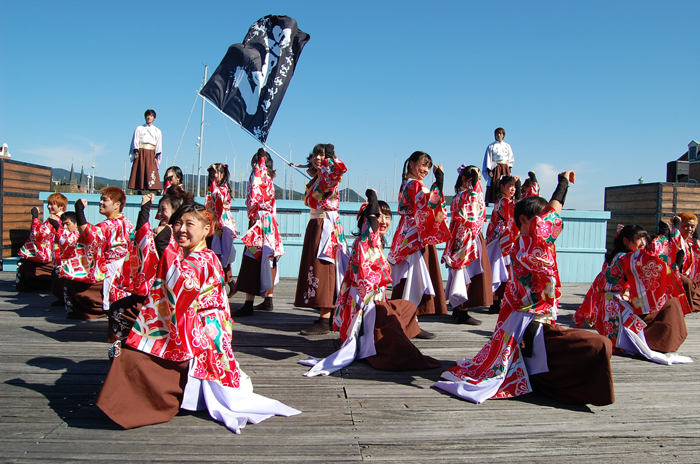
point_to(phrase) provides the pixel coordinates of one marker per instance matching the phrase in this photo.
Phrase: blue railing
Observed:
(580, 248)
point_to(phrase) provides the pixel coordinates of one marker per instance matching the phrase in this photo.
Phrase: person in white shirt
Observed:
(498, 162)
(145, 153)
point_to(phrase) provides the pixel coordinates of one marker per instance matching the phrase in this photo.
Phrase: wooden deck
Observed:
(52, 369)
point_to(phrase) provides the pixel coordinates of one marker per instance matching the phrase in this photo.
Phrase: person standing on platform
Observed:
(145, 153)
(498, 161)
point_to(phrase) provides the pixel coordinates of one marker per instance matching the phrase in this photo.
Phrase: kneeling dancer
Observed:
(371, 327)
(629, 301)
(178, 354)
(529, 350)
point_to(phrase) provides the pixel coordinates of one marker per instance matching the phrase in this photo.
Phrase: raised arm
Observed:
(559, 195)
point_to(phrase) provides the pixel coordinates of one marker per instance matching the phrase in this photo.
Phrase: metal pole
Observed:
(201, 134)
(393, 189)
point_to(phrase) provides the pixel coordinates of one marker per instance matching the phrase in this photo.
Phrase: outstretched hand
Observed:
(149, 197)
(569, 175)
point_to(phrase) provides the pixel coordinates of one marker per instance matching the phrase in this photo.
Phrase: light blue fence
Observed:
(580, 248)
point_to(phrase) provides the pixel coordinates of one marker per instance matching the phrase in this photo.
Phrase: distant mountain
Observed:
(239, 188)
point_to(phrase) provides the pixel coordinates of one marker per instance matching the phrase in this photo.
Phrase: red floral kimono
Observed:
(219, 200)
(366, 279)
(140, 266)
(187, 316)
(423, 220)
(370, 327)
(322, 194)
(468, 213)
(500, 370)
(532, 189)
(39, 245)
(262, 212)
(502, 226)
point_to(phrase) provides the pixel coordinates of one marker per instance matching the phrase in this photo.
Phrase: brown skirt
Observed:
(480, 290)
(32, 275)
(493, 190)
(666, 330)
(692, 292)
(122, 314)
(579, 367)
(144, 171)
(141, 389)
(429, 304)
(83, 300)
(248, 280)
(316, 282)
(395, 324)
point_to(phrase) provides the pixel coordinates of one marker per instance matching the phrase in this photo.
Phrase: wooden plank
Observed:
(25, 169)
(52, 370)
(19, 186)
(43, 178)
(14, 201)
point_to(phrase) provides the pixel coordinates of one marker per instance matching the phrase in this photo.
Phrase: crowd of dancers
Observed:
(166, 289)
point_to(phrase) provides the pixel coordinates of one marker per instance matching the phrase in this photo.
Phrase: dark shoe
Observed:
(231, 289)
(246, 310)
(425, 335)
(266, 305)
(465, 318)
(320, 327)
(495, 308)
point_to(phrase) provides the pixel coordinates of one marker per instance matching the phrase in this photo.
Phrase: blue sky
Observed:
(607, 88)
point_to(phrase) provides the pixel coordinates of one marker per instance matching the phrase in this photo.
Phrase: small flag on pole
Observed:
(251, 80)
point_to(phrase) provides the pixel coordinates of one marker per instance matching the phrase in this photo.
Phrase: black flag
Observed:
(252, 78)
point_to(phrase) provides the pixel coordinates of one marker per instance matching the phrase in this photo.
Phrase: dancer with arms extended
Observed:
(416, 265)
(469, 280)
(258, 274)
(371, 327)
(324, 255)
(629, 302)
(529, 350)
(178, 354)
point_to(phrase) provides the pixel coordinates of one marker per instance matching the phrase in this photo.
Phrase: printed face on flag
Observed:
(253, 77)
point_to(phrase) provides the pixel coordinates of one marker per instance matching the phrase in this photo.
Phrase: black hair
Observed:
(503, 181)
(416, 157)
(629, 232)
(201, 212)
(465, 175)
(663, 228)
(71, 216)
(384, 209)
(528, 207)
(151, 112)
(220, 167)
(176, 196)
(177, 171)
(261, 153)
(326, 149)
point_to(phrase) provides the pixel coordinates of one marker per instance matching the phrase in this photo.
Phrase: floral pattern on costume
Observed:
(140, 266)
(262, 211)
(368, 273)
(423, 220)
(219, 200)
(468, 213)
(39, 245)
(187, 316)
(639, 279)
(531, 190)
(322, 190)
(535, 285)
(502, 226)
(533, 288)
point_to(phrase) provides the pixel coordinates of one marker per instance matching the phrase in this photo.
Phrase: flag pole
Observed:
(259, 141)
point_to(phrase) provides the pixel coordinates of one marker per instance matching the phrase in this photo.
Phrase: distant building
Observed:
(687, 167)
